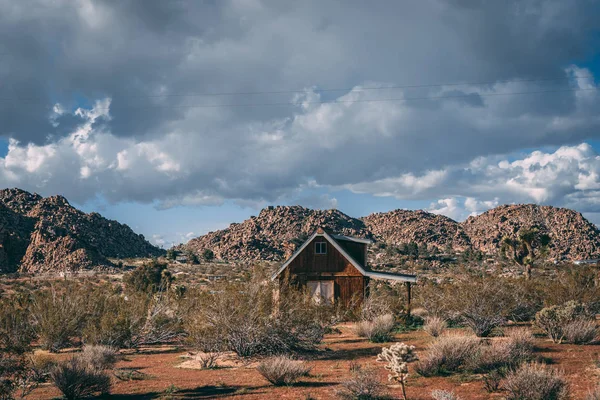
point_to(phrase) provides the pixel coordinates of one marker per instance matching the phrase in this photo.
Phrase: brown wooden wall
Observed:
(358, 251)
(350, 284)
(332, 262)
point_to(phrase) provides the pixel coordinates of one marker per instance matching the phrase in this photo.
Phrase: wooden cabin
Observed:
(334, 268)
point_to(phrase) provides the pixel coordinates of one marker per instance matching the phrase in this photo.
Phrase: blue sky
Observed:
(178, 118)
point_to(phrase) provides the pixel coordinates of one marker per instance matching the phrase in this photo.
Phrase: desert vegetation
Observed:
(478, 327)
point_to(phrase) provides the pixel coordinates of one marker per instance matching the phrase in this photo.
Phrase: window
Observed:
(321, 248)
(321, 291)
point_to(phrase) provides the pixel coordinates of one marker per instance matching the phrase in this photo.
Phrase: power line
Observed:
(352, 101)
(351, 89)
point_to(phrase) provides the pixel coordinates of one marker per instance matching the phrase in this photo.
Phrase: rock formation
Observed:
(49, 235)
(275, 232)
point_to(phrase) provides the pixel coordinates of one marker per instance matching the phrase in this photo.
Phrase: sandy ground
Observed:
(163, 368)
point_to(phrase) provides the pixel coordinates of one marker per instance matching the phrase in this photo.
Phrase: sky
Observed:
(179, 117)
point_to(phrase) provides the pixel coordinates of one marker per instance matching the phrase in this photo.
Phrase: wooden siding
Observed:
(333, 262)
(349, 284)
(356, 250)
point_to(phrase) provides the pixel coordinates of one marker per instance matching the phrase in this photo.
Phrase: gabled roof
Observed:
(351, 239)
(332, 239)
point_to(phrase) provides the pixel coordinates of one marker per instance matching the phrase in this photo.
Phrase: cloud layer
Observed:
(101, 99)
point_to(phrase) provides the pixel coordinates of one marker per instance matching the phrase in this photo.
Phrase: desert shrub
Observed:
(139, 319)
(148, 278)
(16, 334)
(420, 312)
(99, 357)
(208, 254)
(503, 353)
(554, 319)
(246, 319)
(443, 395)
(383, 299)
(377, 330)
(483, 305)
(493, 379)
(574, 283)
(362, 385)
(593, 394)
(76, 379)
(580, 331)
(447, 354)
(58, 315)
(282, 370)
(434, 326)
(533, 381)
(116, 322)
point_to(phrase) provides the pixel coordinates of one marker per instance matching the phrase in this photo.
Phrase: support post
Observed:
(408, 297)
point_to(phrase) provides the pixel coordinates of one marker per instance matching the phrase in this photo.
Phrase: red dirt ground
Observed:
(330, 367)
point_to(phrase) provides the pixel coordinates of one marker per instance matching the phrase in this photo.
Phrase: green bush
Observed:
(16, 334)
(208, 254)
(59, 314)
(148, 278)
(554, 319)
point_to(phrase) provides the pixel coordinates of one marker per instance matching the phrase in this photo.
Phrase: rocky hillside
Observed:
(274, 233)
(572, 236)
(47, 234)
(404, 226)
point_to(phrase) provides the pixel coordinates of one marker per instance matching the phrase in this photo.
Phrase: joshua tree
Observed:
(529, 246)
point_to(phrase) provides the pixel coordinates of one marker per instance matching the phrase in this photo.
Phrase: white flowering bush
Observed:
(397, 358)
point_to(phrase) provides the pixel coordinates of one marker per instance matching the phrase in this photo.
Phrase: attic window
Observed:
(321, 248)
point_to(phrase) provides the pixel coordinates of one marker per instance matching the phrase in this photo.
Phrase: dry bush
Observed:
(593, 394)
(16, 334)
(507, 352)
(208, 360)
(58, 315)
(383, 299)
(377, 330)
(76, 379)
(282, 370)
(363, 384)
(483, 305)
(444, 395)
(574, 283)
(246, 319)
(533, 381)
(580, 331)
(493, 379)
(139, 319)
(447, 354)
(554, 319)
(435, 326)
(99, 357)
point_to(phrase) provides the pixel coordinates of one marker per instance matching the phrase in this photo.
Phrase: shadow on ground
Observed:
(201, 392)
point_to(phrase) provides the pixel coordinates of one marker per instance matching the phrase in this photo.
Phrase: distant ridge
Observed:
(273, 234)
(40, 234)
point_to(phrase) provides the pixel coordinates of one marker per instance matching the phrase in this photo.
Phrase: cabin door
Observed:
(321, 290)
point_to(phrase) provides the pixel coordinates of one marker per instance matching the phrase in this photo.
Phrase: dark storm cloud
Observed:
(158, 139)
(63, 51)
